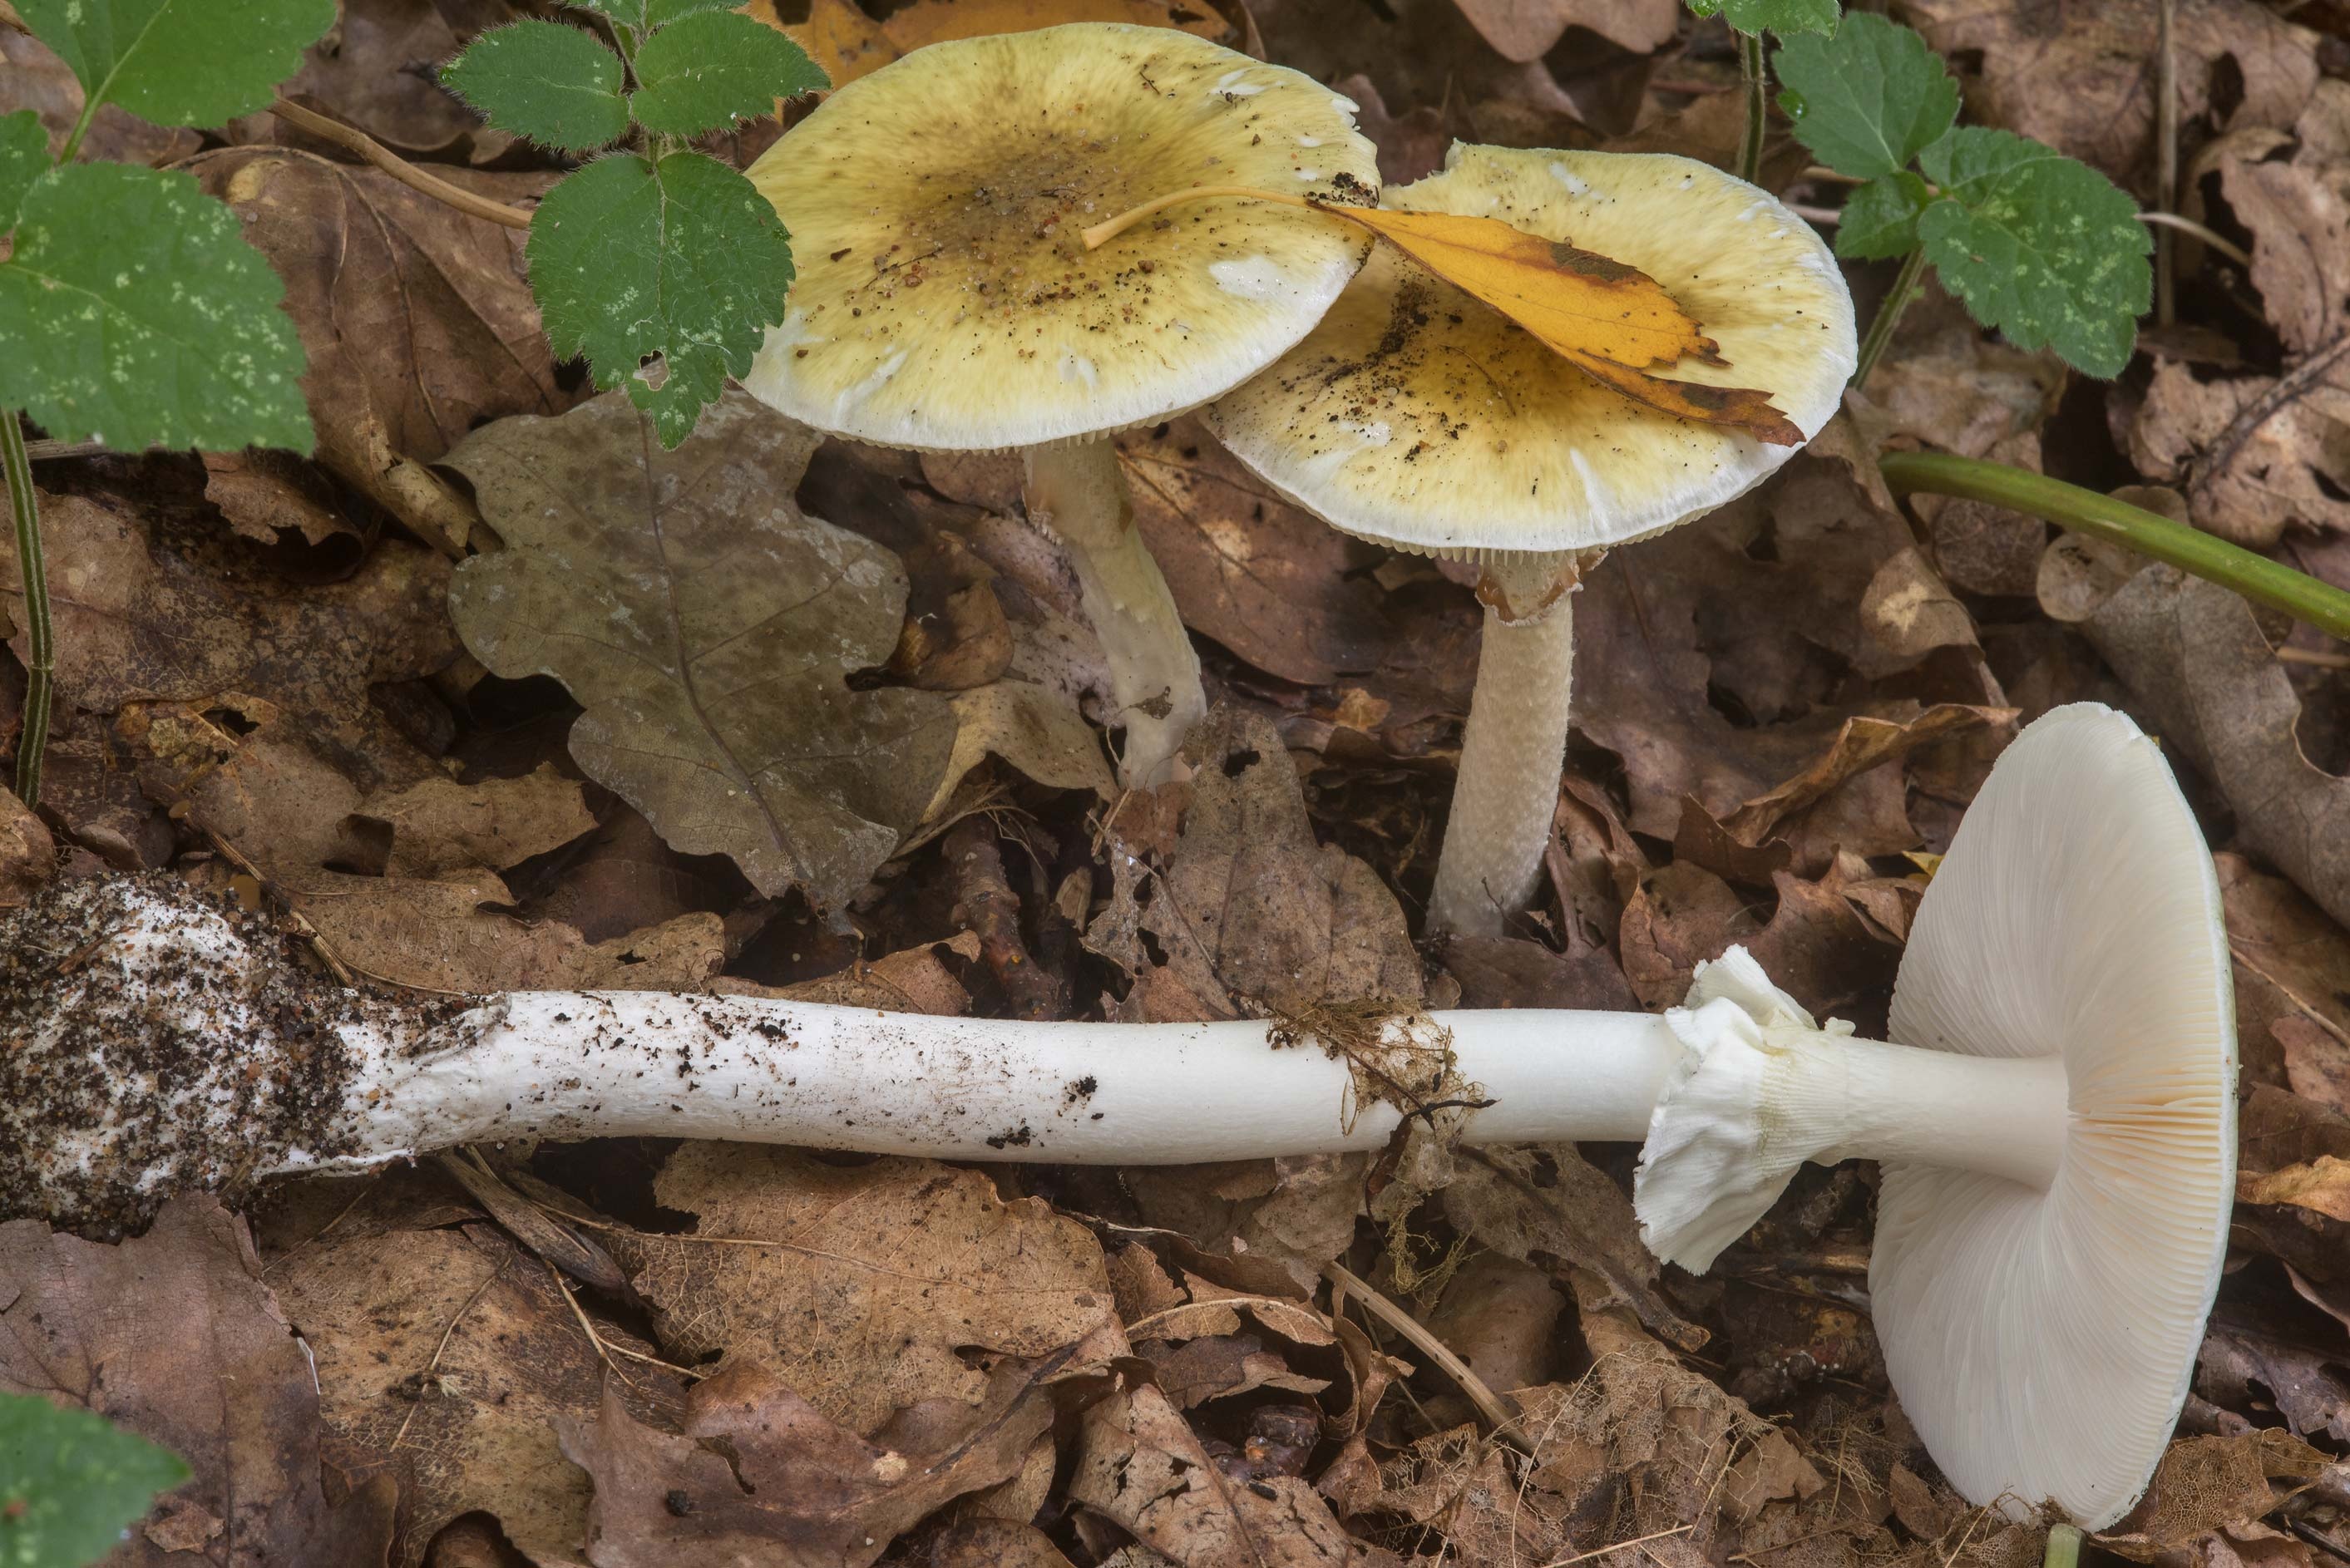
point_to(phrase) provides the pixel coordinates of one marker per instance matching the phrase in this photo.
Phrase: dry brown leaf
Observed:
(1298, 1210)
(848, 43)
(443, 1354)
(2074, 76)
(2292, 983)
(758, 1474)
(2321, 1187)
(1141, 1465)
(1861, 743)
(27, 854)
(2256, 454)
(377, 68)
(139, 619)
(865, 1283)
(2292, 191)
(2206, 1483)
(439, 824)
(1529, 30)
(1500, 1314)
(2210, 686)
(418, 319)
(174, 1336)
(717, 689)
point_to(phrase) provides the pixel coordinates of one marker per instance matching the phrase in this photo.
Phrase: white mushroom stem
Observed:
(1077, 489)
(161, 1048)
(1513, 752)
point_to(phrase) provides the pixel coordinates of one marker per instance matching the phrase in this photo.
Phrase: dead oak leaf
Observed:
(2256, 454)
(2291, 190)
(1525, 30)
(418, 319)
(759, 1474)
(866, 1287)
(2292, 983)
(140, 616)
(444, 1355)
(711, 629)
(174, 1336)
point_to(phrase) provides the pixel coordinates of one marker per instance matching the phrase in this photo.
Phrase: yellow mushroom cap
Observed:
(1415, 415)
(944, 300)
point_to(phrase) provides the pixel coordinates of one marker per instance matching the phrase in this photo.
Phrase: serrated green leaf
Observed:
(179, 62)
(2044, 248)
(558, 86)
(71, 1482)
(134, 313)
(1880, 218)
(23, 158)
(644, 16)
(1869, 99)
(684, 260)
(1784, 16)
(717, 69)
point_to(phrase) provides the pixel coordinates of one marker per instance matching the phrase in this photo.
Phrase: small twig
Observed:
(2318, 1539)
(1488, 1403)
(399, 168)
(1635, 1540)
(2166, 143)
(2311, 657)
(2221, 242)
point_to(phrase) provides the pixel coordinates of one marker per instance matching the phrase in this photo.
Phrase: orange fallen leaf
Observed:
(2323, 1187)
(1609, 320)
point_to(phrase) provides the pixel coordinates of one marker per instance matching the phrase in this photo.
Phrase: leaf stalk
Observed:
(1756, 77)
(2148, 534)
(1888, 316)
(40, 665)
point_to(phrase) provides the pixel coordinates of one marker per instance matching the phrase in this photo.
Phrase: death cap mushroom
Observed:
(944, 300)
(1416, 416)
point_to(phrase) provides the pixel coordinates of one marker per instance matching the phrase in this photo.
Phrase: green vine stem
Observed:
(2064, 1547)
(2257, 578)
(1751, 71)
(1888, 316)
(38, 667)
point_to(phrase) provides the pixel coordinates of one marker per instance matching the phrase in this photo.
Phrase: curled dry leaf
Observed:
(140, 616)
(444, 1353)
(174, 1336)
(712, 629)
(2204, 675)
(418, 319)
(2255, 454)
(2291, 190)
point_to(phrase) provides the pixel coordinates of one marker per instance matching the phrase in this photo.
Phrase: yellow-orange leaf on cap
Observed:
(1609, 320)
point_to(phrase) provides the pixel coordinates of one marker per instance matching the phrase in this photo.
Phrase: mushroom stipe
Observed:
(2055, 1127)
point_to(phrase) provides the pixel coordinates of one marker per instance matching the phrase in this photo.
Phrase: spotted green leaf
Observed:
(1869, 99)
(558, 86)
(23, 158)
(715, 69)
(134, 313)
(1880, 218)
(665, 276)
(2043, 247)
(1780, 16)
(71, 1482)
(179, 62)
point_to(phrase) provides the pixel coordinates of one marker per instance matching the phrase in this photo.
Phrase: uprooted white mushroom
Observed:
(945, 300)
(2059, 1117)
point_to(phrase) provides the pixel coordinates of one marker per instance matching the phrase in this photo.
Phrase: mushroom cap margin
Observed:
(944, 301)
(1416, 416)
(2078, 914)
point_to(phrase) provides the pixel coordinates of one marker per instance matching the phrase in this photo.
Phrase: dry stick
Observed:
(399, 168)
(2171, 221)
(1488, 1403)
(2166, 141)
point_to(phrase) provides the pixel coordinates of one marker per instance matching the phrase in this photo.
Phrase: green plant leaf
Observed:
(70, 1481)
(558, 86)
(23, 158)
(1780, 16)
(643, 17)
(134, 313)
(716, 69)
(1869, 99)
(1880, 218)
(179, 62)
(682, 260)
(2044, 248)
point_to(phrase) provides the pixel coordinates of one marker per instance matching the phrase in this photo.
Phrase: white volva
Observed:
(2058, 1111)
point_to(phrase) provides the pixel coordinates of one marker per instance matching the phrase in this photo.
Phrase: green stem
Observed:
(2063, 1547)
(80, 128)
(1888, 316)
(43, 659)
(1751, 71)
(2257, 578)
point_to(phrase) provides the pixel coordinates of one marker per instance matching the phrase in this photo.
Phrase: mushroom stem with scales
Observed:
(944, 301)
(2054, 1123)
(1417, 417)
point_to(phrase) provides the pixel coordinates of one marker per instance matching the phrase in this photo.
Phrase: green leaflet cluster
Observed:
(131, 310)
(662, 266)
(2040, 246)
(70, 1481)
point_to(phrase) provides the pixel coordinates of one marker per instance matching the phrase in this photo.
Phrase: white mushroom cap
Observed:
(2076, 915)
(944, 300)
(1415, 415)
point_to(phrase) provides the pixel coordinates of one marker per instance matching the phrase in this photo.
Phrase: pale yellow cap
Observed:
(944, 300)
(1416, 416)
